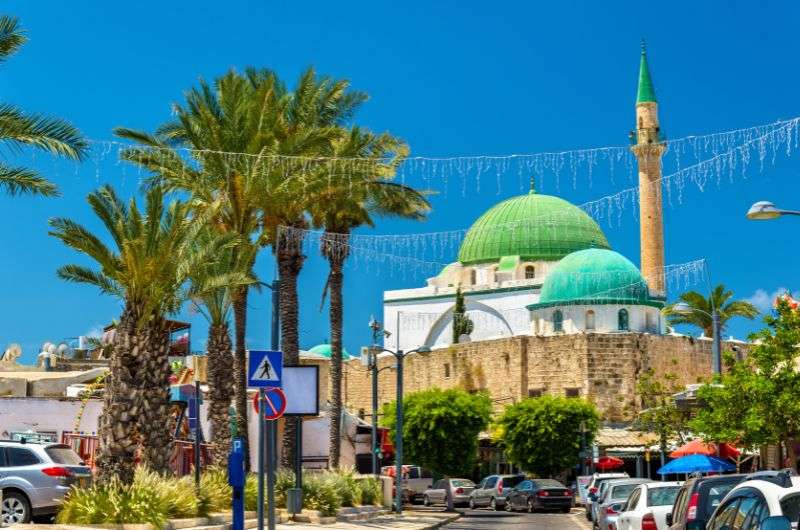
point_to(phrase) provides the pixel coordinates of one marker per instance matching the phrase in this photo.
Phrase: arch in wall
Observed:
(590, 320)
(442, 329)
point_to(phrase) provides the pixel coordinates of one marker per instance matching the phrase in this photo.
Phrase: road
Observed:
(489, 520)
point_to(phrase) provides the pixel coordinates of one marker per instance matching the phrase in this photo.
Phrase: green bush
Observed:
(371, 491)
(320, 493)
(347, 485)
(284, 480)
(214, 486)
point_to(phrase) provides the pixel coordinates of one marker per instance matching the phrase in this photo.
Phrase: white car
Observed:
(647, 507)
(593, 490)
(767, 500)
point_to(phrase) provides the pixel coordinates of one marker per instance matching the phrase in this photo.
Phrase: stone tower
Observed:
(648, 149)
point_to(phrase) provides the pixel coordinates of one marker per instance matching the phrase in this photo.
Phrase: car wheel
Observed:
(566, 510)
(471, 503)
(16, 508)
(531, 507)
(426, 501)
(507, 506)
(493, 504)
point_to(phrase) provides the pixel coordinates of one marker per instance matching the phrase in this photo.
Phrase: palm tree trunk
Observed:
(334, 248)
(240, 366)
(118, 421)
(154, 421)
(220, 389)
(290, 263)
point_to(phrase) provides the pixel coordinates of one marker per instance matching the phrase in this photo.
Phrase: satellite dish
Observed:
(50, 348)
(13, 352)
(63, 349)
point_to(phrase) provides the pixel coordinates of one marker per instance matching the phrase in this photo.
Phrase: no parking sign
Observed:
(275, 403)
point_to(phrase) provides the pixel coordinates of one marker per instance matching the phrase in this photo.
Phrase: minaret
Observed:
(648, 149)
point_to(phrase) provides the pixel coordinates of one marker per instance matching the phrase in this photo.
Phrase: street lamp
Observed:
(400, 355)
(765, 210)
(716, 361)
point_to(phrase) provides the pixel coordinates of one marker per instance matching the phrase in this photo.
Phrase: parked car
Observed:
(601, 490)
(648, 506)
(35, 477)
(540, 494)
(615, 495)
(766, 500)
(492, 491)
(415, 481)
(697, 499)
(594, 489)
(437, 494)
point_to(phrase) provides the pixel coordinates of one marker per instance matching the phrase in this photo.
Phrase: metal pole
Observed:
(275, 333)
(262, 404)
(270, 474)
(198, 433)
(398, 496)
(298, 455)
(716, 358)
(373, 361)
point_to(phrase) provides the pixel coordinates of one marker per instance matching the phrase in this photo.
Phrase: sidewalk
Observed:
(407, 521)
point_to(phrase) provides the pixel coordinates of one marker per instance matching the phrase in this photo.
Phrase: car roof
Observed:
(657, 484)
(626, 481)
(772, 492)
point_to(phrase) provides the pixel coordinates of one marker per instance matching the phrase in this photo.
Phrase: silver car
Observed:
(612, 502)
(437, 494)
(35, 477)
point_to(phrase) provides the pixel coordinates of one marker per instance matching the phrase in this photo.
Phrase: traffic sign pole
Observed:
(270, 474)
(260, 507)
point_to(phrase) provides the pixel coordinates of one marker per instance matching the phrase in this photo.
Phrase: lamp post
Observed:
(765, 210)
(376, 328)
(716, 360)
(400, 355)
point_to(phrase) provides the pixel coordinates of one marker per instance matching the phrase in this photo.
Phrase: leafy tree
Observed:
(440, 428)
(18, 129)
(462, 325)
(147, 269)
(342, 205)
(756, 402)
(543, 435)
(700, 315)
(659, 413)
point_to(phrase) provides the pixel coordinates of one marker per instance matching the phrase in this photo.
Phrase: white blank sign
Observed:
(301, 386)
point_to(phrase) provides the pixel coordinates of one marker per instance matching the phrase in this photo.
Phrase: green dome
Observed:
(533, 227)
(324, 350)
(594, 276)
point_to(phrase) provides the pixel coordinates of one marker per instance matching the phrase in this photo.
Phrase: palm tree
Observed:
(702, 308)
(345, 203)
(19, 130)
(214, 283)
(146, 270)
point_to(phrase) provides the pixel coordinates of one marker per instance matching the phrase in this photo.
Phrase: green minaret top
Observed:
(647, 92)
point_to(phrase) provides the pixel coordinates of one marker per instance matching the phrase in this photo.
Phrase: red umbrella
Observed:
(698, 447)
(605, 463)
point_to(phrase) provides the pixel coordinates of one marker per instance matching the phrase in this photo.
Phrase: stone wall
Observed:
(603, 368)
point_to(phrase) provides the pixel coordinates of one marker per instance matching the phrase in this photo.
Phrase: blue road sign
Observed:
(265, 368)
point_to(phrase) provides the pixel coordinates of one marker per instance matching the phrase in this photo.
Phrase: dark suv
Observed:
(697, 499)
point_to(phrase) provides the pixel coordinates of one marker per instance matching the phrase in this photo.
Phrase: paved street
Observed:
(488, 520)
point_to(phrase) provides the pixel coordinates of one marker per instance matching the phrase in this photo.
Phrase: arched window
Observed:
(530, 272)
(622, 320)
(558, 320)
(590, 319)
(641, 123)
(495, 278)
(473, 277)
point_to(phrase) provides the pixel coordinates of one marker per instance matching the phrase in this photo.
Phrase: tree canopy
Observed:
(440, 428)
(543, 435)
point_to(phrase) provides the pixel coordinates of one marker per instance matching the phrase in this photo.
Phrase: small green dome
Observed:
(594, 276)
(533, 227)
(324, 350)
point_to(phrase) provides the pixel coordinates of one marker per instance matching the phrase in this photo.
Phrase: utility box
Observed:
(294, 500)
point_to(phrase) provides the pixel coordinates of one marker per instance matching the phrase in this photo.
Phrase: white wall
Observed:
(605, 319)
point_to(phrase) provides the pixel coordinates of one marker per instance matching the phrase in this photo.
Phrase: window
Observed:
(530, 272)
(757, 514)
(649, 322)
(526, 485)
(490, 482)
(473, 277)
(622, 320)
(558, 320)
(790, 507)
(17, 456)
(64, 455)
(745, 507)
(447, 369)
(495, 277)
(633, 500)
(534, 392)
(725, 515)
(572, 392)
(590, 319)
(662, 496)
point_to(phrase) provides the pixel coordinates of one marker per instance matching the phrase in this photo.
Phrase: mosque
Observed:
(538, 265)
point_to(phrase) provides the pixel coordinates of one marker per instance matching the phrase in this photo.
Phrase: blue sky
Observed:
(452, 78)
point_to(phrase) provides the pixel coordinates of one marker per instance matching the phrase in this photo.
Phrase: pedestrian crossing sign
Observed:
(265, 368)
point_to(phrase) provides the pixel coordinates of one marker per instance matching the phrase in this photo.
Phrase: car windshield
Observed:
(61, 454)
(462, 483)
(548, 483)
(662, 496)
(510, 482)
(621, 492)
(716, 493)
(790, 507)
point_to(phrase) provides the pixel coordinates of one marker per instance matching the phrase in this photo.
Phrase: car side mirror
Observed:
(776, 522)
(669, 518)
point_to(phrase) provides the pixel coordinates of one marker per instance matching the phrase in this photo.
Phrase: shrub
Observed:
(214, 486)
(345, 482)
(320, 493)
(371, 490)
(284, 480)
